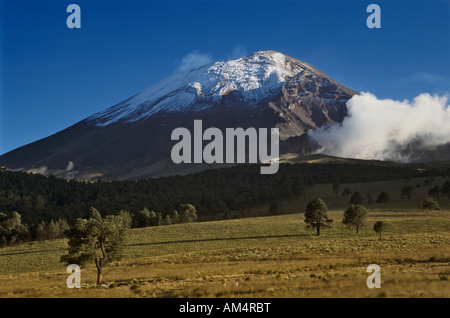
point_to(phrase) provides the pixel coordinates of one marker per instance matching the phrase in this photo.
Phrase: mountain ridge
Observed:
(132, 138)
(256, 77)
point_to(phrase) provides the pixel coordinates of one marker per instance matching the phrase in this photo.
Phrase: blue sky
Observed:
(52, 76)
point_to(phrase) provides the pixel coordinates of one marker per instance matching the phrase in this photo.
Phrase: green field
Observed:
(259, 256)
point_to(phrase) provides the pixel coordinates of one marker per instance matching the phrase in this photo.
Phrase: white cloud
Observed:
(193, 60)
(238, 52)
(196, 58)
(387, 129)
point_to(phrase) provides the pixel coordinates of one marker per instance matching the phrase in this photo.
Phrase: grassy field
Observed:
(266, 256)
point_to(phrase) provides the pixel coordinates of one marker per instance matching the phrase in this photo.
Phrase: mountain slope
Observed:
(132, 139)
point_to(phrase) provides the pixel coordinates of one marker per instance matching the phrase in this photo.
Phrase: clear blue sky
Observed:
(52, 76)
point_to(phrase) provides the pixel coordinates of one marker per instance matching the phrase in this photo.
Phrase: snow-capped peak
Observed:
(255, 77)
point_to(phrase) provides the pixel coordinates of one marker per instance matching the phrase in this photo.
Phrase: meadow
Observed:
(259, 256)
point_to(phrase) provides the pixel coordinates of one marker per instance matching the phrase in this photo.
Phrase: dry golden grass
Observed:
(255, 257)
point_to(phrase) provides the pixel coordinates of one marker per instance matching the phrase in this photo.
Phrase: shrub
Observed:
(383, 197)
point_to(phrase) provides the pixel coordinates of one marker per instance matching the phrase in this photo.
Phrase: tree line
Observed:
(213, 192)
(14, 231)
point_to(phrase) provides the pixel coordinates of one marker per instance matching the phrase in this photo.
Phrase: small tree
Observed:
(14, 221)
(154, 219)
(379, 227)
(355, 215)
(142, 218)
(3, 241)
(12, 229)
(383, 197)
(356, 198)
(429, 204)
(316, 215)
(407, 192)
(188, 213)
(167, 220)
(40, 232)
(96, 239)
(52, 230)
(63, 227)
(175, 217)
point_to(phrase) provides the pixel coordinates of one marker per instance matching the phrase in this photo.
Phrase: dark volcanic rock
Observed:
(132, 139)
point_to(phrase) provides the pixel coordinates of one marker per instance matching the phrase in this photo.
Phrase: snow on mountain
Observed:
(132, 139)
(255, 77)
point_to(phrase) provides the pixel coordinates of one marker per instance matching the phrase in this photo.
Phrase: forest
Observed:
(37, 207)
(40, 198)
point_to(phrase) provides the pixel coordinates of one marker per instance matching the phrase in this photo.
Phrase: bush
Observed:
(379, 227)
(356, 198)
(429, 204)
(383, 197)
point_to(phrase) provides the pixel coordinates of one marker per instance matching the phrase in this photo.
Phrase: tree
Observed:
(153, 219)
(13, 221)
(356, 198)
(167, 220)
(159, 219)
(63, 227)
(383, 197)
(445, 189)
(407, 192)
(188, 213)
(142, 218)
(355, 216)
(52, 230)
(175, 217)
(434, 192)
(12, 228)
(3, 217)
(96, 239)
(379, 227)
(429, 204)
(346, 193)
(3, 241)
(40, 232)
(316, 215)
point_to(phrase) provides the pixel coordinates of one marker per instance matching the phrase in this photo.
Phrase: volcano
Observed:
(132, 140)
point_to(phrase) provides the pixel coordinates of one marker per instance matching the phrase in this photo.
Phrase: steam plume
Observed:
(387, 129)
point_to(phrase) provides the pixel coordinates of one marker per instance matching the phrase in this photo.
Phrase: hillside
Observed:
(215, 193)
